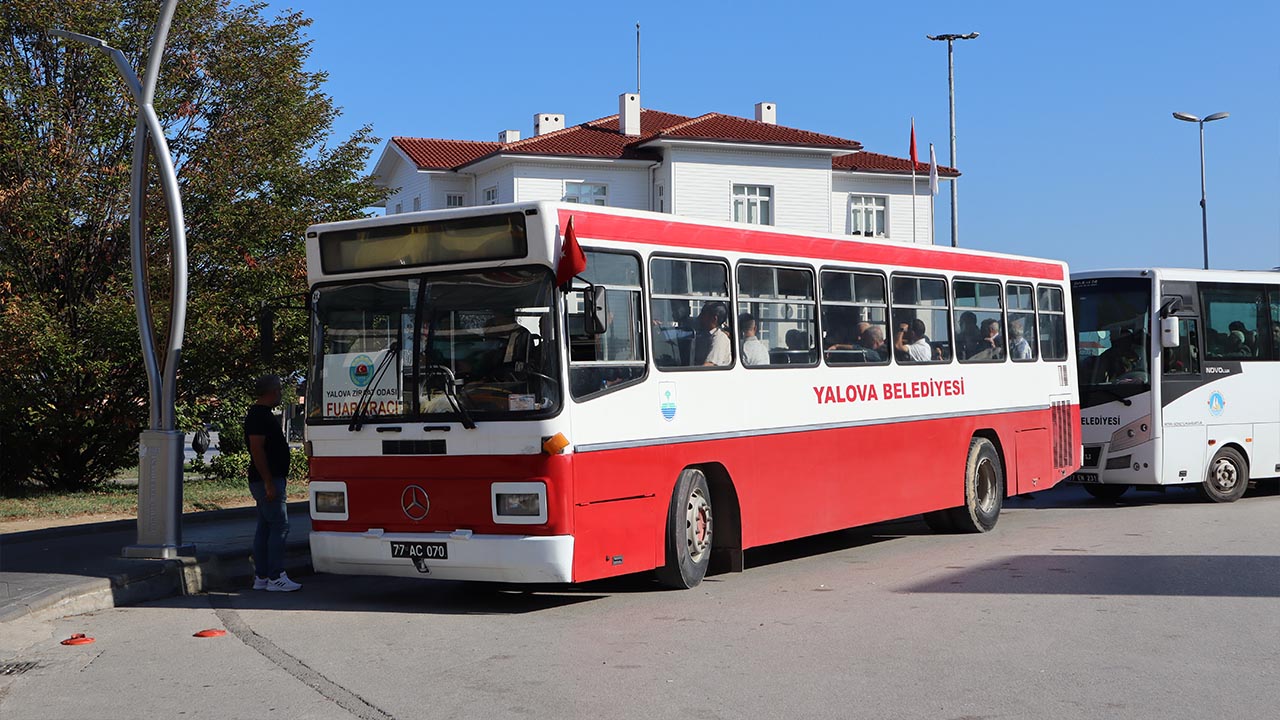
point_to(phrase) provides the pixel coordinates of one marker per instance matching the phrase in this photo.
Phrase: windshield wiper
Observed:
(357, 419)
(1103, 388)
(451, 392)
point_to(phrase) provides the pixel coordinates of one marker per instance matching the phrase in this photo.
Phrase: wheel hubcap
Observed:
(985, 486)
(1225, 476)
(697, 525)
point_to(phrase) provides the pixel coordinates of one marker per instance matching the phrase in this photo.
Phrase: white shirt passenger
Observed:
(920, 351)
(720, 355)
(754, 351)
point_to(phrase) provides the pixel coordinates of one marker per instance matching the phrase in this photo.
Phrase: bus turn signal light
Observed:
(555, 444)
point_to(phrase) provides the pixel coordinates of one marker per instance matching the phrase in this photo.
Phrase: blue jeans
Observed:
(273, 528)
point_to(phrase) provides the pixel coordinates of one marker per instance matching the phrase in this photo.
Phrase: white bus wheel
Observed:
(1228, 477)
(689, 532)
(983, 489)
(1106, 492)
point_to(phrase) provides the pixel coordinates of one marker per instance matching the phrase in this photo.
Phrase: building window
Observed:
(453, 200)
(660, 202)
(417, 203)
(491, 195)
(753, 204)
(586, 193)
(399, 209)
(868, 215)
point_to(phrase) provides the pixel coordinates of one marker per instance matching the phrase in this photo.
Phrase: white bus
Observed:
(686, 390)
(1179, 379)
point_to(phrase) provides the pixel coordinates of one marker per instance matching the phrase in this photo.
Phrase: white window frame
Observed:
(576, 197)
(491, 195)
(752, 198)
(450, 198)
(399, 209)
(859, 204)
(417, 203)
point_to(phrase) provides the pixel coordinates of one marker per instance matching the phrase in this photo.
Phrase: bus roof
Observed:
(1186, 274)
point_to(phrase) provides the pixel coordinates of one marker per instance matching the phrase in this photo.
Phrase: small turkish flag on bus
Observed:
(572, 260)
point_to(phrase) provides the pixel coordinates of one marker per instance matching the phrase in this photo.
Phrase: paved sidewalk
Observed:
(75, 569)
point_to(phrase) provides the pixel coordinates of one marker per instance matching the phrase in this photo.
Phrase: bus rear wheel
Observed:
(1106, 492)
(689, 532)
(983, 489)
(1228, 477)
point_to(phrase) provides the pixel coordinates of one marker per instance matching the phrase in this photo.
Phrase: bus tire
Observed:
(1227, 478)
(983, 489)
(939, 521)
(689, 532)
(1106, 492)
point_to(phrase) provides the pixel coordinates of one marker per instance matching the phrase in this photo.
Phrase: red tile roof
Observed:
(601, 139)
(875, 162)
(433, 154)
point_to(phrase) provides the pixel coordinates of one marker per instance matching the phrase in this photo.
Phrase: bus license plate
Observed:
(420, 550)
(1086, 477)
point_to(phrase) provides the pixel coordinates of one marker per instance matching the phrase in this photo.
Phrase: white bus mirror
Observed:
(1169, 333)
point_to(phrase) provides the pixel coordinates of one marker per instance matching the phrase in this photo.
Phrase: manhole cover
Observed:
(16, 668)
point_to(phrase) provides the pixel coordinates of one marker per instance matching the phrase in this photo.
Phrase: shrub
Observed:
(235, 466)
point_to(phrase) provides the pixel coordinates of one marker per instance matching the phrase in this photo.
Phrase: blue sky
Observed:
(1064, 127)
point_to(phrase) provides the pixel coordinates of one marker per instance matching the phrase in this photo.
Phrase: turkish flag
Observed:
(915, 159)
(572, 260)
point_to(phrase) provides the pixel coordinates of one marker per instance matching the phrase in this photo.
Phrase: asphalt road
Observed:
(1155, 607)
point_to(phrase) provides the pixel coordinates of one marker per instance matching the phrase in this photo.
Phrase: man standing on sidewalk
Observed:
(268, 468)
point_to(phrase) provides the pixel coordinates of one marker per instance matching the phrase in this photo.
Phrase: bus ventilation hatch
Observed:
(1063, 434)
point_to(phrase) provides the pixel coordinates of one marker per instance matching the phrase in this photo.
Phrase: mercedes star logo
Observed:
(415, 503)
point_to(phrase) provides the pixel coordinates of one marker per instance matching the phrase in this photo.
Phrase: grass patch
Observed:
(197, 494)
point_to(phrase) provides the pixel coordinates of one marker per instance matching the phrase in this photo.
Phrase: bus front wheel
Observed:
(983, 489)
(689, 532)
(1228, 477)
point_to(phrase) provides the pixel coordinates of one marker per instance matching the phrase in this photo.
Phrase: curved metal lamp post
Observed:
(160, 451)
(1204, 210)
(950, 39)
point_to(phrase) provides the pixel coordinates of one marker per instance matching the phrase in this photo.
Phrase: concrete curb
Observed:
(201, 516)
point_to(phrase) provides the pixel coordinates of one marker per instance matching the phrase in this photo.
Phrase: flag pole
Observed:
(913, 180)
(933, 194)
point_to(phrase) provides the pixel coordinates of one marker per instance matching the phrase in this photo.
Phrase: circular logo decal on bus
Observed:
(415, 503)
(1217, 404)
(361, 370)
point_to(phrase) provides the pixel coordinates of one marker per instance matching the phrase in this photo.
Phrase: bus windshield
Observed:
(1113, 317)
(472, 345)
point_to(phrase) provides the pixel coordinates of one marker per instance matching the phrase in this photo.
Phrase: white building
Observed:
(713, 167)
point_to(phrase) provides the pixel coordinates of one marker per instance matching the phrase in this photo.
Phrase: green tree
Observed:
(251, 131)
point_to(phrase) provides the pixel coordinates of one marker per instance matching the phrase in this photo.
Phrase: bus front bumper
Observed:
(490, 558)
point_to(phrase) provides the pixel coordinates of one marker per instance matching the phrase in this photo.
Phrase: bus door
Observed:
(1181, 418)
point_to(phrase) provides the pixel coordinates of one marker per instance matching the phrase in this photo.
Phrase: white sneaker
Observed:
(259, 583)
(282, 584)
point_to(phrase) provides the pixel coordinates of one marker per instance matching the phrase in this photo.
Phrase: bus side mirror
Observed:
(595, 312)
(1169, 332)
(267, 332)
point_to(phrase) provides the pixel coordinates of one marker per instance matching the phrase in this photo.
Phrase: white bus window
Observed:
(776, 320)
(690, 314)
(614, 358)
(1053, 323)
(979, 322)
(921, 329)
(1275, 322)
(1020, 301)
(854, 318)
(1184, 359)
(1232, 316)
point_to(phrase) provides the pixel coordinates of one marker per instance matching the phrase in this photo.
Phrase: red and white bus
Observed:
(694, 390)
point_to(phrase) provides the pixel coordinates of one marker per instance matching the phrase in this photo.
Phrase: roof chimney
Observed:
(629, 114)
(544, 123)
(767, 112)
(508, 136)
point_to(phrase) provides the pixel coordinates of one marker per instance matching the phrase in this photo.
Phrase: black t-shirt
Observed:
(260, 421)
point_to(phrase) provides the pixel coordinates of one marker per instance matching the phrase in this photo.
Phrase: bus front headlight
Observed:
(519, 503)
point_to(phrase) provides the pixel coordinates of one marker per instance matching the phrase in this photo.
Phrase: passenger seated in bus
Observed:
(1019, 348)
(754, 351)
(990, 345)
(911, 343)
(1123, 361)
(711, 347)
(1237, 343)
(872, 343)
(967, 335)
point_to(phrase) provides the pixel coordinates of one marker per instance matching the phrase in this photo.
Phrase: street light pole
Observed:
(1204, 210)
(951, 100)
(160, 446)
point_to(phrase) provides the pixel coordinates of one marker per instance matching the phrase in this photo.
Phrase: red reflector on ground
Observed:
(211, 632)
(77, 639)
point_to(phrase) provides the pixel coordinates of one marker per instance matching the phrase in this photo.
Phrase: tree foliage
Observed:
(251, 132)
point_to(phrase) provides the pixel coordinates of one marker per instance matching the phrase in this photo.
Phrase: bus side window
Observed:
(690, 312)
(921, 328)
(614, 358)
(776, 323)
(1231, 322)
(1020, 299)
(1053, 323)
(1184, 359)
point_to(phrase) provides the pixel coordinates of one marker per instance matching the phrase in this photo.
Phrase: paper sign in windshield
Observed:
(347, 376)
